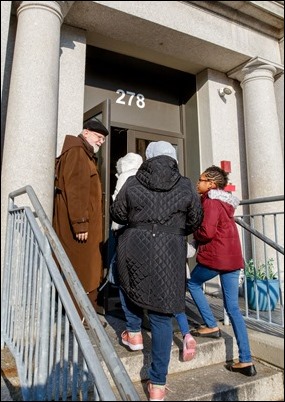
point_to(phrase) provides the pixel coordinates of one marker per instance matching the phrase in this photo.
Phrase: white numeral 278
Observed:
(140, 102)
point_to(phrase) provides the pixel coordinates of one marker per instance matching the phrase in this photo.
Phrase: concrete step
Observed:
(205, 378)
(216, 383)
(208, 351)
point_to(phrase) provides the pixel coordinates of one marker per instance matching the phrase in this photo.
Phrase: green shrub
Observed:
(262, 271)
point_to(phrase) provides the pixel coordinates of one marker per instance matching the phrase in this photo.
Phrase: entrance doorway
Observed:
(124, 140)
(121, 141)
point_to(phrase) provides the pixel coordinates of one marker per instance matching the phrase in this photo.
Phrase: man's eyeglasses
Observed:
(99, 136)
(203, 180)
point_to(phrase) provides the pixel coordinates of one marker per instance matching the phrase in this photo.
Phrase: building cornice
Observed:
(264, 16)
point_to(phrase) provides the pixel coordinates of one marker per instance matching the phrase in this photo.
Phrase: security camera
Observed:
(225, 91)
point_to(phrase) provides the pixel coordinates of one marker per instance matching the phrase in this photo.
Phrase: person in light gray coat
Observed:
(126, 166)
(161, 207)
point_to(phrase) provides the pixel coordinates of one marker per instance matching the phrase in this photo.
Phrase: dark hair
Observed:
(217, 175)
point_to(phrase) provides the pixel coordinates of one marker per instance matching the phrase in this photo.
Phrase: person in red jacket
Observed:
(219, 253)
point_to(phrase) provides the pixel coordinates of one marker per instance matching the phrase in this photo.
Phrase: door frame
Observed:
(133, 135)
(102, 112)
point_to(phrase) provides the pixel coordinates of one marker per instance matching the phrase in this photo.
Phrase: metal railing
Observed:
(39, 322)
(262, 299)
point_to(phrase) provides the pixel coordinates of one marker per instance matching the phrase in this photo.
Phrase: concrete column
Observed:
(262, 135)
(31, 125)
(5, 22)
(8, 30)
(265, 164)
(279, 91)
(71, 97)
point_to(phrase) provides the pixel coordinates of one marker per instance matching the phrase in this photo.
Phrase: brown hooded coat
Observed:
(78, 208)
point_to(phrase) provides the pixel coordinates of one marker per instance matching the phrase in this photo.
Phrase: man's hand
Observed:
(82, 236)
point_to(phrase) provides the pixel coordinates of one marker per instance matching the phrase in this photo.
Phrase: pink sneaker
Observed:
(156, 392)
(189, 348)
(133, 340)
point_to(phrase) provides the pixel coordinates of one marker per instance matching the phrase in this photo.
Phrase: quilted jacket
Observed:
(151, 261)
(218, 239)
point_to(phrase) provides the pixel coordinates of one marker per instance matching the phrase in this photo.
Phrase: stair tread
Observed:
(205, 377)
(201, 379)
(215, 382)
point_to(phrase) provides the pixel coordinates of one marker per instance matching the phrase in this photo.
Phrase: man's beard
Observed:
(96, 148)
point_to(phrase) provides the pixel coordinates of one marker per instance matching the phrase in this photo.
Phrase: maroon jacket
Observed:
(218, 239)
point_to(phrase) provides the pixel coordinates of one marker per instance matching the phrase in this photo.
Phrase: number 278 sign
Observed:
(130, 98)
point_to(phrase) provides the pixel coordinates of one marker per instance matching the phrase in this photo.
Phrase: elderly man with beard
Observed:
(77, 217)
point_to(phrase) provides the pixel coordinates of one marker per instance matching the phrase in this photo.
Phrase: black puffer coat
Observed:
(151, 262)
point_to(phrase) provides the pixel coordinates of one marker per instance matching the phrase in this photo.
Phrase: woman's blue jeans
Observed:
(182, 321)
(230, 287)
(161, 336)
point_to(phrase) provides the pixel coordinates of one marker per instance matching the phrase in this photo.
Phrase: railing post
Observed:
(44, 330)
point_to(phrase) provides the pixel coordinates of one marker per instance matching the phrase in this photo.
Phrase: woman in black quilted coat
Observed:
(160, 207)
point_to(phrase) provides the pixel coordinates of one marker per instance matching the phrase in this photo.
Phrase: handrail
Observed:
(261, 236)
(252, 230)
(256, 246)
(262, 200)
(113, 362)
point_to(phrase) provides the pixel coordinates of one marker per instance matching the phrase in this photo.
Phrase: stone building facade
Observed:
(206, 76)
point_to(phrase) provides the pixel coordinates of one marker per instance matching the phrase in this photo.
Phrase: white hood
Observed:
(128, 162)
(126, 166)
(160, 148)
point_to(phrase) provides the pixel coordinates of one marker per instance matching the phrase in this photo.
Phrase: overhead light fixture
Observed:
(225, 91)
